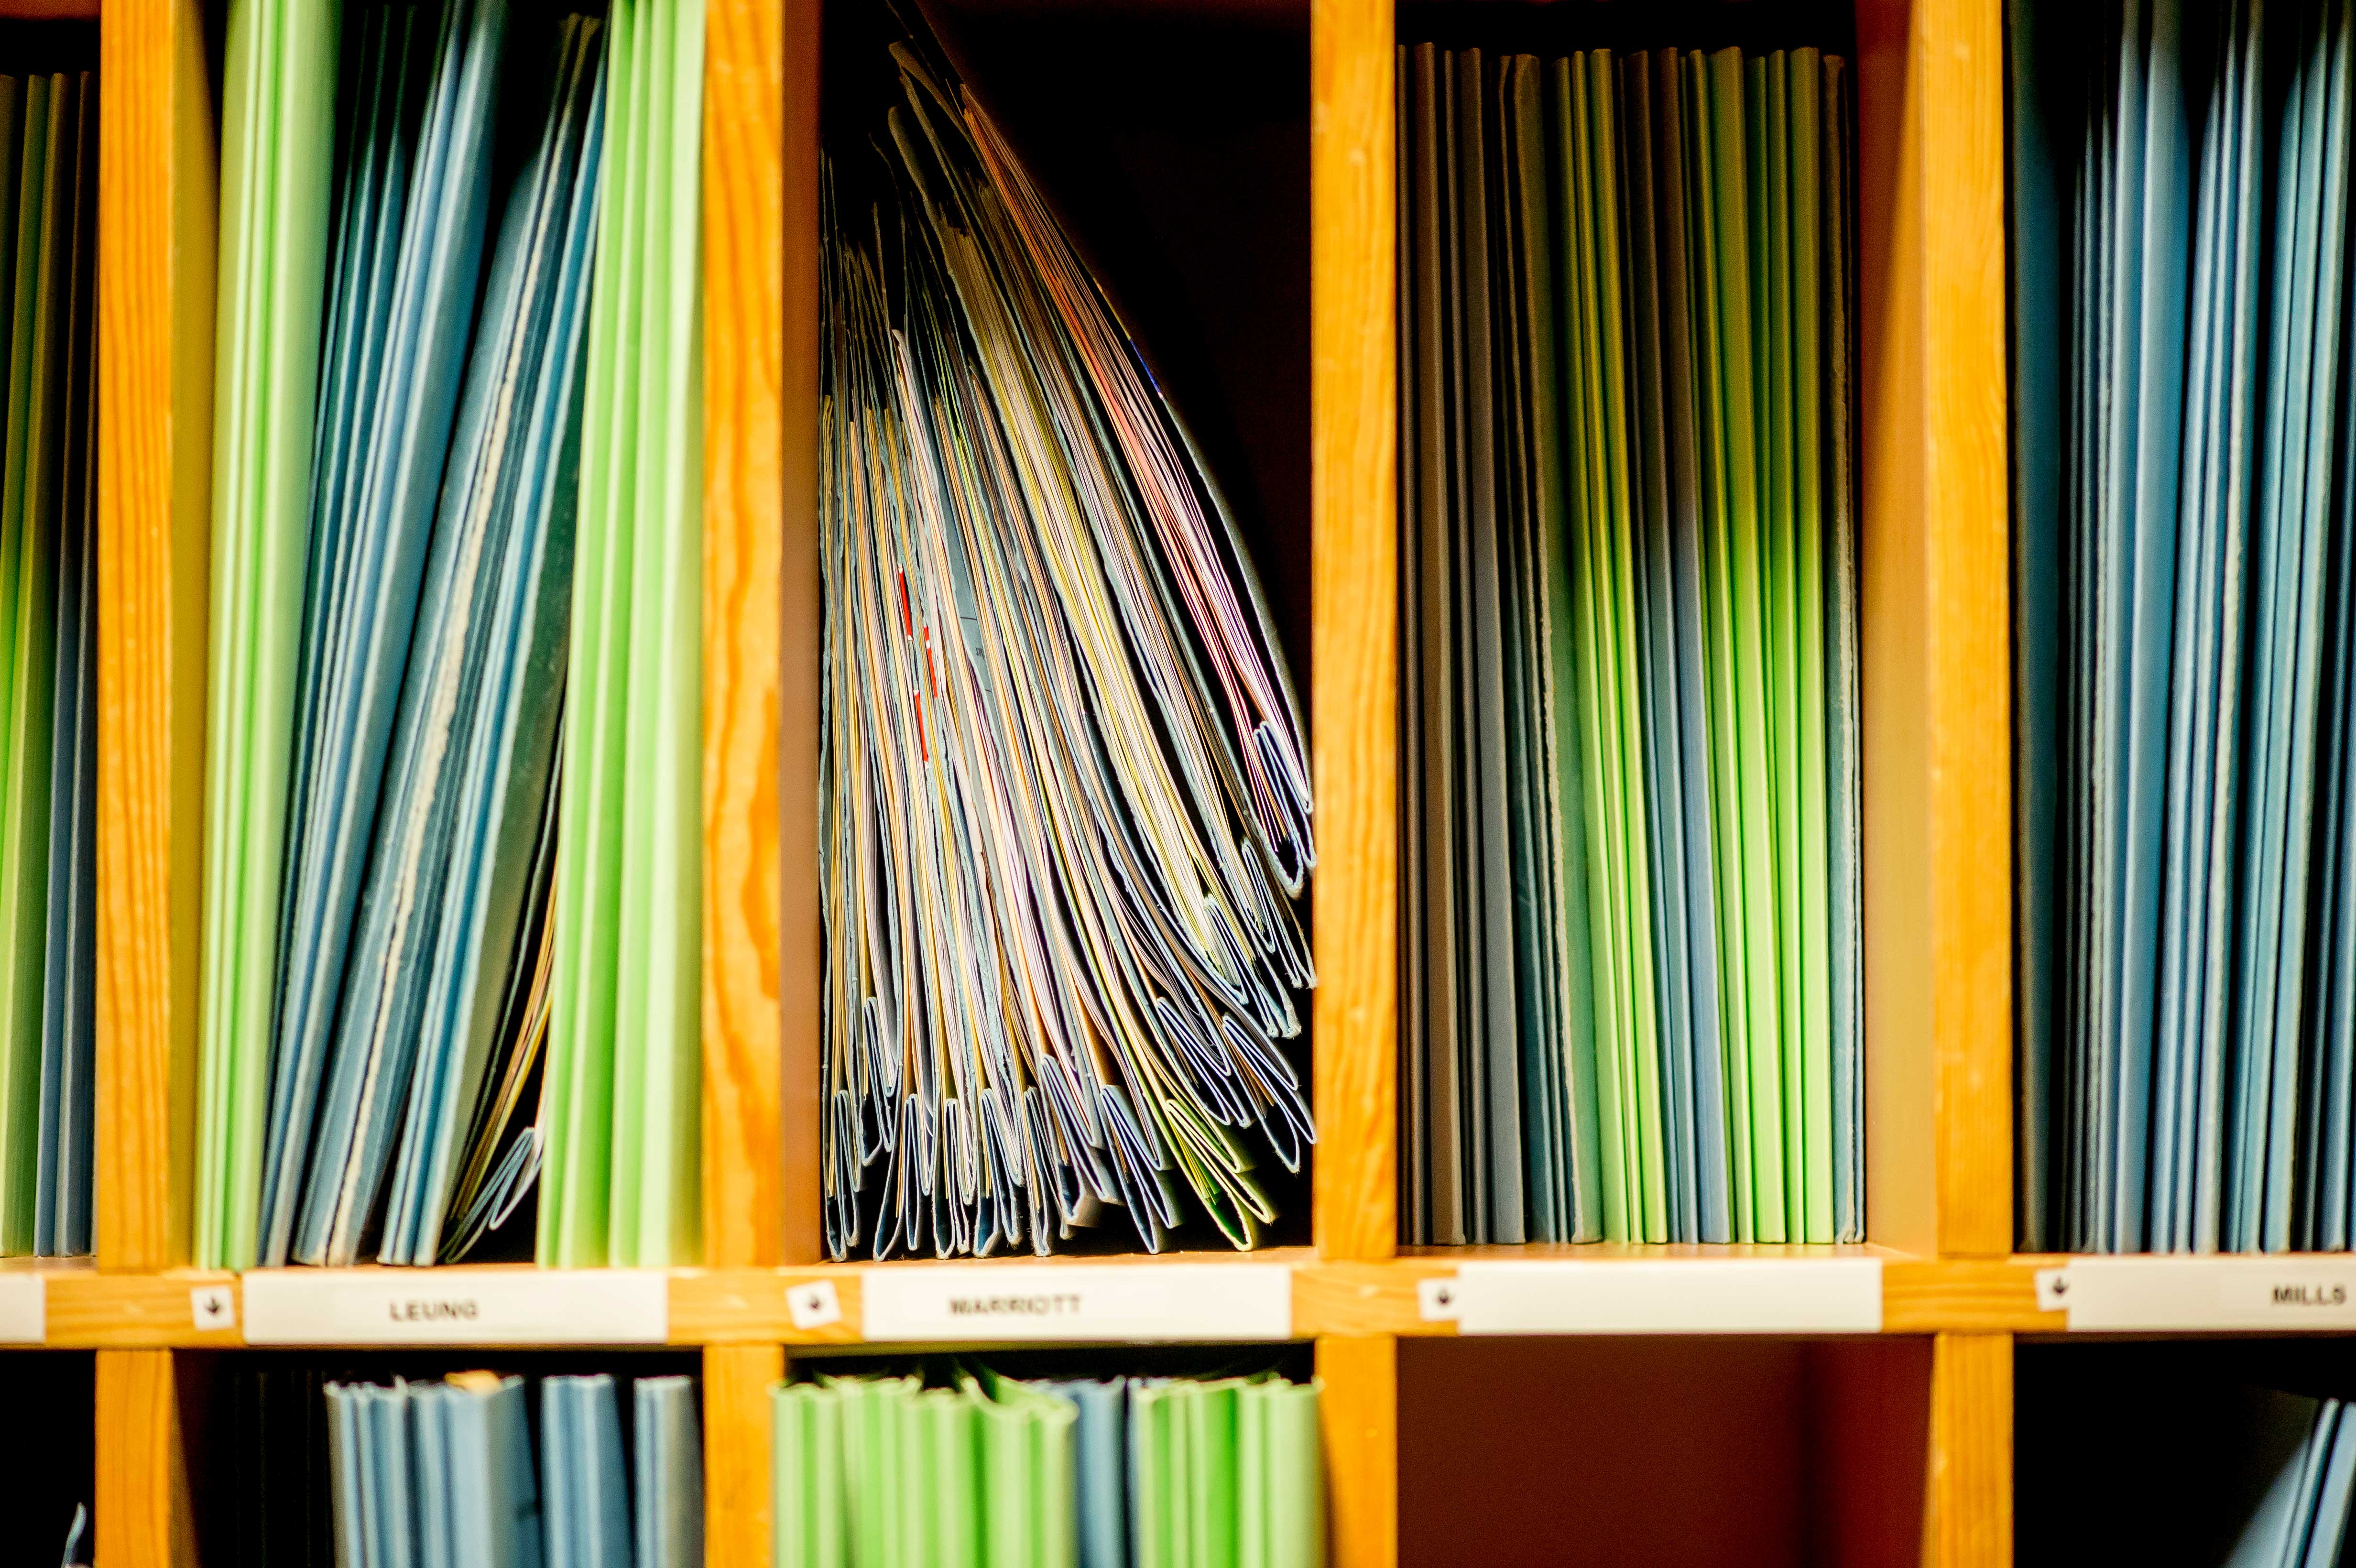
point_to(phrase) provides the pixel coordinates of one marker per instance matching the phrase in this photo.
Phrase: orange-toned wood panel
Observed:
(1959, 62)
(1354, 641)
(738, 1529)
(109, 1310)
(1968, 1523)
(1936, 688)
(744, 1166)
(154, 349)
(141, 1510)
(1360, 1411)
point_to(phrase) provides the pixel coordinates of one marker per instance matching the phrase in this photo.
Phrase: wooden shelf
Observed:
(1932, 421)
(90, 1311)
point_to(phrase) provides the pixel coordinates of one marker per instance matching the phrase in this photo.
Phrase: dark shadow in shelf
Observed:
(1675, 1453)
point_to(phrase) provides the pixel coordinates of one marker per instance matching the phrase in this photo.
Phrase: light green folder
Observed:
(277, 144)
(622, 1184)
(1280, 1476)
(1604, 639)
(1718, 614)
(1030, 1475)
(806, 1458)
(886, 1473)
(1809, 278)
(1768, 114)
(1746, 771)
(42, 220)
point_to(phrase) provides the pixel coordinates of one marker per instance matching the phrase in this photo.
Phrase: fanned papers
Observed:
(49, 176)
(1159, 1473)
(1065, 795)
(433, 571)
(1629, 634)
(2187, 512)
(444, 1472)
(621, 1182)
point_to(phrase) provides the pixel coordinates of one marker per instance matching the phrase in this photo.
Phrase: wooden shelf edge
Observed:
(750, 1306)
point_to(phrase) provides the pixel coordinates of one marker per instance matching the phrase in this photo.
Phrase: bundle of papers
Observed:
(1064, 794)
(48, 677)
(445, 309)
(623, 1178)
(884, 1472)
(1631, 876)
(2302, 1519)
(2187, 631)
(444, 1472)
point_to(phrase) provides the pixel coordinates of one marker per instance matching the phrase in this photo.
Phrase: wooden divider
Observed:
(156, 207)
(747, 1203)
(739, 1528)
(141, 1511)
(1968, 1511)
(1353, 715)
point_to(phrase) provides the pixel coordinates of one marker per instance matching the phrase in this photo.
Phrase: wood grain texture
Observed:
(1359, 1409)
(1967, 1517)
(744, 278)
(157, 164)
(1353, 640)
(108, 1311)
(140, 1509)
(1959, 55)
(717, 1306)
(1990, 1294)
(738, 1511)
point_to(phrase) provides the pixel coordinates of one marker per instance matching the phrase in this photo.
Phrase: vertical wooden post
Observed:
(157, 169)
(745, 1199)
(1937, 689)
(738, 1523)
(1360, 1411)
(1959, 62)
(1968, 1508)
(1353, 697)
(1354, 641)
(141, 1513)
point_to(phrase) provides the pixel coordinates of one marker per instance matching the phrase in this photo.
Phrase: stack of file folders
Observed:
(2301, 1520)
(1632, 1002)
(48, 669)
(2186, 595)
(444, 1472)
(457, 443)
(1065, 796)
(881, 1472)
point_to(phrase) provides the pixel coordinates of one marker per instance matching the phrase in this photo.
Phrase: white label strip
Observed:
(1076, 1301)
(2142, 1294)
(457, 1307)
(24, 1309)
(1670, 1295)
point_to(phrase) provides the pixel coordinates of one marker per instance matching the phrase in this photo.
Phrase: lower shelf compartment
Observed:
(1675, 1453)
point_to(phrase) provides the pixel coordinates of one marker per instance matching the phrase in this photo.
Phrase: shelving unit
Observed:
(1937, 697)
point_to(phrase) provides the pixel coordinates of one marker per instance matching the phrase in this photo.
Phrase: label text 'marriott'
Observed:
(1050, 1305)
